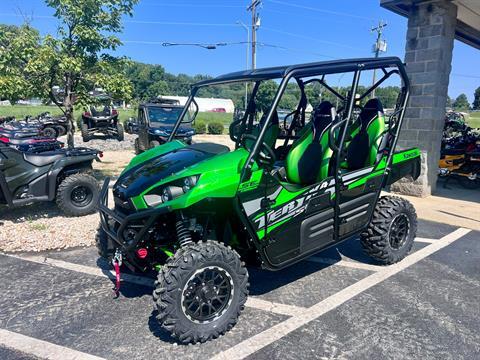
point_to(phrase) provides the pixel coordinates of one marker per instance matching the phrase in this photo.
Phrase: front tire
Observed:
(105, 246)
(201, 291)
(77, 195)
(390, 235)
(120, 132)
(84, 131)
(154, 143)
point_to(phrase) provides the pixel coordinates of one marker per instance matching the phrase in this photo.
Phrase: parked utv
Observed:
(155, 122)
(104, 121)
(197, 213)
(61, 175)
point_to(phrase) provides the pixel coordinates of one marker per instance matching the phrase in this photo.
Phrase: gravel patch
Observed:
(42, 226)
(102, 144)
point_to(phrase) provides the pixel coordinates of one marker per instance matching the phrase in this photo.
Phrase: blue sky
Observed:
(307, 30)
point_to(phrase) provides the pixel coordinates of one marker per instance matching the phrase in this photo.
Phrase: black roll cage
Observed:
(298, 72)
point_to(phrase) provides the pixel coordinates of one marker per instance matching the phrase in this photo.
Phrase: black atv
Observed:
(155, 123)
(42, 125)
(103, 121)
(33, 144)
(61, 175)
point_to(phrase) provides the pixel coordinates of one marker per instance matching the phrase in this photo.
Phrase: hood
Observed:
(136, 179)
(182, 131)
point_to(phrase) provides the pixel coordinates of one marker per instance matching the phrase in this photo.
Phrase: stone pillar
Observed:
(430, 37)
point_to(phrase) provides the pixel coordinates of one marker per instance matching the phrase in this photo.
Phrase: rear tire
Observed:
(208, 276)
(78, 195)
(61, 130)
(84, 131)
(390, 235)
(120, 132)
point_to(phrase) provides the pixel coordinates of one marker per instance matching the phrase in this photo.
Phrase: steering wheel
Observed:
(266, 156)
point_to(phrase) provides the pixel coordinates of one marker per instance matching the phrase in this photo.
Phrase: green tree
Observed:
(449, 102)
(266, 93)
(17, 46)
(476, 100)
(76, 59)
(461, 103)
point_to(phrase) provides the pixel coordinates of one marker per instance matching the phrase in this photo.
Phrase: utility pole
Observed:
(380, 46)
(255, 25)
(247, 56)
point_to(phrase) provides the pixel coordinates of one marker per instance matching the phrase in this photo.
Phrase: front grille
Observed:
(123, 206)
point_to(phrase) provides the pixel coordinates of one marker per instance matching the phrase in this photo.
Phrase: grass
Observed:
(21, 111)
(474, 119)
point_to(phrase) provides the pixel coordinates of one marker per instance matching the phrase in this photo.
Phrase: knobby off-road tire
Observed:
(105, 246)
(120, 132)
(390, 235)
(84, 131)
(177, 287)
(50, 132)
(78, 194)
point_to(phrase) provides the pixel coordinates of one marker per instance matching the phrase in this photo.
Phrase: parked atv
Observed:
(197, 213)
(155, 123)
(103, 121)
(33, 145)
(460, 157)
(61, 175)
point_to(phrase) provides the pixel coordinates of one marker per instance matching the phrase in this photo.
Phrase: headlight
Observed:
(160, 132)
(170, 191)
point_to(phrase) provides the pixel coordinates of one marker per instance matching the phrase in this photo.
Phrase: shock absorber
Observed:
(183, 234)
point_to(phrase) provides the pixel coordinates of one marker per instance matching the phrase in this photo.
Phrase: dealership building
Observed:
(433, 25)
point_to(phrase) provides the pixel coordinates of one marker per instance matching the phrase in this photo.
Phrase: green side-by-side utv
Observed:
(198, 213)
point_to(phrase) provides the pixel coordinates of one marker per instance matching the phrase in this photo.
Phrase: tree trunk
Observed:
(68, 103)
(70, 126)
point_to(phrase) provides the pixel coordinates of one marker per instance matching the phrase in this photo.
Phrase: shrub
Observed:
(215, 128)
(200, 127)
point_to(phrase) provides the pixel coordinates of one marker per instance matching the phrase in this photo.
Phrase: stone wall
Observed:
(430, 38)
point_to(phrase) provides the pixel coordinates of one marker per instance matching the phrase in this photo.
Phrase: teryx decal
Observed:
(291, 209)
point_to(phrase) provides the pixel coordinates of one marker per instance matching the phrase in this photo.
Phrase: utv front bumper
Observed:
(126, 230)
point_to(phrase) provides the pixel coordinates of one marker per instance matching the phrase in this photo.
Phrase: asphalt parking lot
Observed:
(337, 304)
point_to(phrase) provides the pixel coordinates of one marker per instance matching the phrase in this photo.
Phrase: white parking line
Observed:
(41, 349)
(425, 240)
(345, 263)
(267, 337)
(252, 301)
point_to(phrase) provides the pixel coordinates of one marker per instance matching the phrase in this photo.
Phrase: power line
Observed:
(319, 10)
(311, 38)
(191, 5)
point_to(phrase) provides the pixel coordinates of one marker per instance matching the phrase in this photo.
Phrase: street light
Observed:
(247, 53)
(205, 46)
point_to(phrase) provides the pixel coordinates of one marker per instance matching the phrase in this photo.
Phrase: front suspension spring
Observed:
(183, 234)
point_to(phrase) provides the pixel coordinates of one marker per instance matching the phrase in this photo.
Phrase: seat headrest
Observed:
(275, 120)
(372, 108)
(323, 116)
